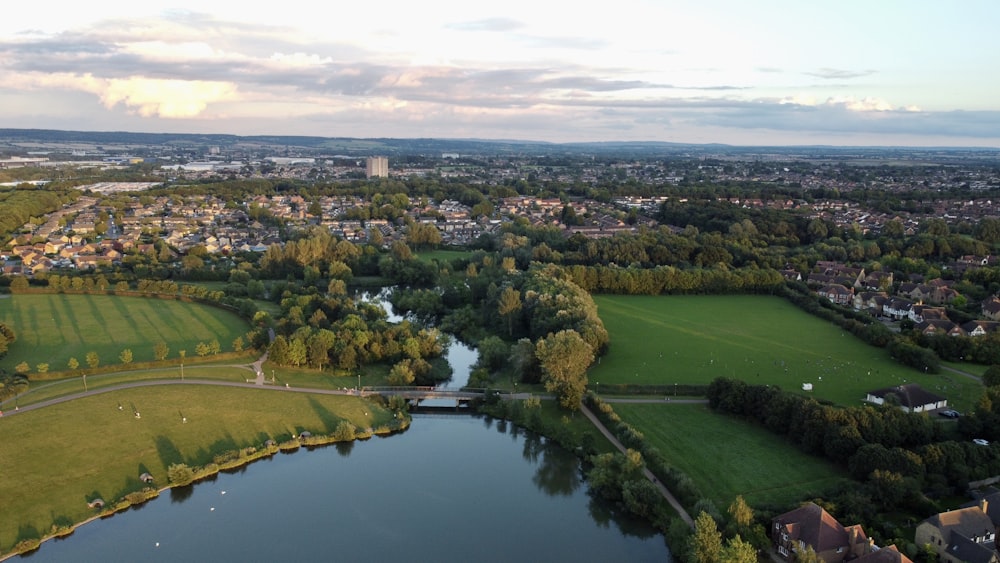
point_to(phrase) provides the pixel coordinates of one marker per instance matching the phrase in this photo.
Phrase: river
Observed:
(454, 487)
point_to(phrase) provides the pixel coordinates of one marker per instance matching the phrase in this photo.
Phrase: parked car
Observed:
(949, 413)
(981, 442)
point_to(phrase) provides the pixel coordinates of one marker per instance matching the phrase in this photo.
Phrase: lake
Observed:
(451, 488)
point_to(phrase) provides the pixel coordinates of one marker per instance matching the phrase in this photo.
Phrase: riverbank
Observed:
(60, 458)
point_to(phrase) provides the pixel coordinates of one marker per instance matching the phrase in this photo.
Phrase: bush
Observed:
(180, 474)
(345, 432)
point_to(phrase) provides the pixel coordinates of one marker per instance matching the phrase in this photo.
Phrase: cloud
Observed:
(487, 24)
(165, 98)
(836, 73)
(143, 96)
(848, 102)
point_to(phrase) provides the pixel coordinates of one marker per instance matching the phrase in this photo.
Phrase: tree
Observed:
(19, 283)
(807, 555)
(201, 349)
(706, 541)
(508, 305)
(991, 377)
(93, 360)
(160, 351)
(22, 368)
(238, 344)
(42, 368)
(738, 551)
(126, 356)
(401, 374)
(180, 474)
(564, 358)
(741, 513)
(73, 363)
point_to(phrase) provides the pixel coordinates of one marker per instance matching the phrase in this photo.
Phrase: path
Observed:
(962, 373)
(155, 382)
(649, 474)
(258, 365)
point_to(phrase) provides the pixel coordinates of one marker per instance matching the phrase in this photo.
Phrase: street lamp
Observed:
(359, 381)
(84, 383)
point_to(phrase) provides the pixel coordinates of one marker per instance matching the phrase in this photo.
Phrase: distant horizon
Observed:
(786, 73)
(513, 141)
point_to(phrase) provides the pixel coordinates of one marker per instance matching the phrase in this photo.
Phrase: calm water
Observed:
(451, 488)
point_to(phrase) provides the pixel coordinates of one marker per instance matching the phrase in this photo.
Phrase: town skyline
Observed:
(890, 74)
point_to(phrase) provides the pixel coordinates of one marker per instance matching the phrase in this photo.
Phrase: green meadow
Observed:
(52, 328)
(758, 339)
(443, 255)
(726, 457)
(58, 458)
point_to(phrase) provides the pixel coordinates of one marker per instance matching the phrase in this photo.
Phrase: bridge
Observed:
(422, 393)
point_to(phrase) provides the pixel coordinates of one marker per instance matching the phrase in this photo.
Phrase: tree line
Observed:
(896, 455)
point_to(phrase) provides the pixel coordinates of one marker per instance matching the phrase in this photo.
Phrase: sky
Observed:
(769, 72)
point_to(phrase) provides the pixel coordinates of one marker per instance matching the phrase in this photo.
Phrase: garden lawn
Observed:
(726, 457)
(51, 328)
(58, 458)
(758, 339)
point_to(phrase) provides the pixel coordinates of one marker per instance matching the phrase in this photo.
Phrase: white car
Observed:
(981, 442)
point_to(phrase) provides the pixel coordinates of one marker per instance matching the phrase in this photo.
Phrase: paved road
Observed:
(649, 474)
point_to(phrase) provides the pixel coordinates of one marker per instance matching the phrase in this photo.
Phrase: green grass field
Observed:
(443, 255)
(57, 458)
(759, 339)
(51, 328)
(726, 457)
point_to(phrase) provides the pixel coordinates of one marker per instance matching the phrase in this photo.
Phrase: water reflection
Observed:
(181, 494)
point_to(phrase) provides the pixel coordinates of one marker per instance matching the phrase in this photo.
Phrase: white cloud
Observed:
(866, 104)
(165, 98)
(148, 97)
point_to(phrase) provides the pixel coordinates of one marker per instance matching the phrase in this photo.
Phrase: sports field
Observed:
(726, 457)
(758, 339)
(51, 328)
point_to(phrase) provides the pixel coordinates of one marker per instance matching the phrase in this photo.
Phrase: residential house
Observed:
(811, 526)
(965, 535)
(910, 397)
(885, 555)
(991, 308)
(837, 293)
(920, 313)
(878, 281)
(939, 326)
(871, 301)
(898, 308)
(980, 328)
(791, 274)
